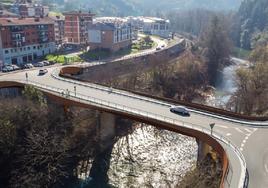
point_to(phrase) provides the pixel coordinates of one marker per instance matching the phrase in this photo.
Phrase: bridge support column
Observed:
(203, 150)
(105, 129)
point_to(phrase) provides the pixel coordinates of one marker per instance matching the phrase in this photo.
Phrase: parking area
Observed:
(11, 68)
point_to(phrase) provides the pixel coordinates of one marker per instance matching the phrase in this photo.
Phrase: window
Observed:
(6, 51)
(29, 48)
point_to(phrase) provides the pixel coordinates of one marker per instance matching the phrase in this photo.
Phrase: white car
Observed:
(42, 71)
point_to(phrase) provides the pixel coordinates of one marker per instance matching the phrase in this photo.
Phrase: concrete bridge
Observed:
(242, 144)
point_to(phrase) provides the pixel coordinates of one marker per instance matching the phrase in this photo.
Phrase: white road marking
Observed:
(248, 130)
(239, 130)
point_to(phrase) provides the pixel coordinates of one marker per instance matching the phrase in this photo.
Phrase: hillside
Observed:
(142, 7)
(190, 4)
(252, 23)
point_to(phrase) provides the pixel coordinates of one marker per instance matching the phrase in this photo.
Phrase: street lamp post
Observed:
(211, 127)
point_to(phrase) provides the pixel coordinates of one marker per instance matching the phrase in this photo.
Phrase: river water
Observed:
(151, 158)
(226, 85)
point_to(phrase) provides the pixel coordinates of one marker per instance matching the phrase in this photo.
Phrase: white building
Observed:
(151, 25)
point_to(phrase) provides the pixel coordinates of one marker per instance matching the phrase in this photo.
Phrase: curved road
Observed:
(250, 140)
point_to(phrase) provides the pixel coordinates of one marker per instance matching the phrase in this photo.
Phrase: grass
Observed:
(61, 58)
(97, 54)
(241, 53)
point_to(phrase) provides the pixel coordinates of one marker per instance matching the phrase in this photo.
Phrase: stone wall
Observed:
(121, 67)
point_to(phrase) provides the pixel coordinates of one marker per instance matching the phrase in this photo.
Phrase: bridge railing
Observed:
(133, 111)
(55, 74)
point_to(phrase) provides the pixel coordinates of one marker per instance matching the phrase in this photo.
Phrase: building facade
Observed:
(23, 40)
(76, 27)
(111, 34)
(59, 23)
(30, 10)
(151, 25)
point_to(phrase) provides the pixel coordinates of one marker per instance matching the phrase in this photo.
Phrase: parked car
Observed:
(28, 66)
(7, 68)
(52, 62)
(46, 63)
(163, 46)
(158, 48)
(42, 71)
(180, 110)
(39, 64)
(15, 67)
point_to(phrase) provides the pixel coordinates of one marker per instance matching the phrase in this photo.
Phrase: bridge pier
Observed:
(203, 150)
(105, 129)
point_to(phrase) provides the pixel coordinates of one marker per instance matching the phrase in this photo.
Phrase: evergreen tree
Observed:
(218, 47)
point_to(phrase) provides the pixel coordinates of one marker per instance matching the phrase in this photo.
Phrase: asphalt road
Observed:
(251, 141)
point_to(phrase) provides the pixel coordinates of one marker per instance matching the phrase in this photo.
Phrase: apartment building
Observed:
(76, 27)
(59, 22)
(25, 9)
(110, 33)
(23, 40)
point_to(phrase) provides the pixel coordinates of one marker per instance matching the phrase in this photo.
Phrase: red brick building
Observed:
(76, 24)
(23, 40)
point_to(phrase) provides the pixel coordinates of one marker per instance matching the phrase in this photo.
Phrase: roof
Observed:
(78, 13)
(25, 21)
(102, 26)
(7, 13)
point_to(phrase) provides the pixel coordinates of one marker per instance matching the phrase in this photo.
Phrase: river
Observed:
(225, 85)
(151, 158)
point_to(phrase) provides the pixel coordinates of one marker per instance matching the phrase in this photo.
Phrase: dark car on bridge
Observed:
(180, 110)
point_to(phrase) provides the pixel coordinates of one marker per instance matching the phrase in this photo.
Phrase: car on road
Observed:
(43, 71)
(163, 46)
(158, 48)
(39, 64)
(180, 110)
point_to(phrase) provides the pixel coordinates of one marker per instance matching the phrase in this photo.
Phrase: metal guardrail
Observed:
(137, 112)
